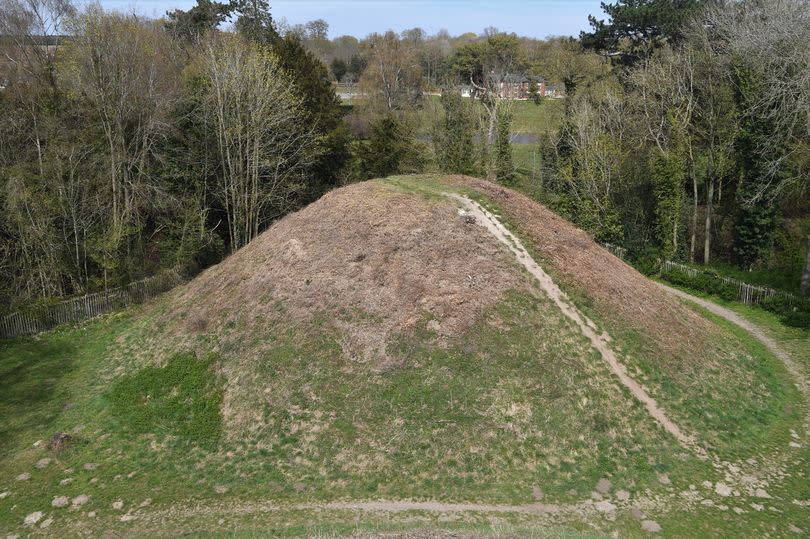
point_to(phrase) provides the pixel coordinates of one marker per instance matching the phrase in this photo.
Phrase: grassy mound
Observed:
(378, 346)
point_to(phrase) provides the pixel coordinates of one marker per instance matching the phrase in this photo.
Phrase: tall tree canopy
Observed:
(635, 28)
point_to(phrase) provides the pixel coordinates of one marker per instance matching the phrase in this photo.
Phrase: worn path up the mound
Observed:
(600, 342)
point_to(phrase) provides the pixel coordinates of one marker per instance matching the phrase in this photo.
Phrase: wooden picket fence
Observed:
(747, 293)
(88, 306)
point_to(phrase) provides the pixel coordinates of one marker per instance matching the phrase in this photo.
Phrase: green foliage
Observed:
(313, 84)
(254, 22)
(534, 93)
(390, 148)
(668, 177)
(339, 69)
(647, 260)
(756, 215)
(635, 28)
(182, 399)
(706, 281)
(504, 166)
(205, 16)
(453, 138)
(793, 313)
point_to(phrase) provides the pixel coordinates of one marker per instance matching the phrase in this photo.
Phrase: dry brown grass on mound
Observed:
(616, 288)
(375, 259)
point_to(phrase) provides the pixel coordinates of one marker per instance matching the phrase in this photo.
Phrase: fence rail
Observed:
(87, 306)
(747, 293)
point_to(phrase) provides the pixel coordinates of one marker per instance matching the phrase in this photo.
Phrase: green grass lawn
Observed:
(528, 118)
(532, 119)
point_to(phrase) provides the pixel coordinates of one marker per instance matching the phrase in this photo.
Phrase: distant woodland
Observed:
(130, 145)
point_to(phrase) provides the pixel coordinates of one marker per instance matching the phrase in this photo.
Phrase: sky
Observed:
(533, 18)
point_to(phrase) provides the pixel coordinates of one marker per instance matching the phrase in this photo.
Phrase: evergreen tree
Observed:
(206, 15)
(255, 22)
(312, 81)
(635, 28)
(389, 148)
(453, 140)
(504, 166)
(339, 69)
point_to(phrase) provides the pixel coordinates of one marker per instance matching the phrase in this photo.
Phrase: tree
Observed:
(389, 147)
(266, 146)
(714, 124)
(317, 29)
(323, 107)
(392, 81)
(534, 92)
(770, 40)
(636, 28)
(453, 139)
(504, 167)
(126, 73)
(357, 64)
(591, 154)
(668, 177)
(339, 69)
(203, 17)
(486, 65)
(666, 99)
(255, 22)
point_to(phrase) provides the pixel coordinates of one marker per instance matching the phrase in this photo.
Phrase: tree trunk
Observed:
(694, 217)
(806, 273)
(707, 242)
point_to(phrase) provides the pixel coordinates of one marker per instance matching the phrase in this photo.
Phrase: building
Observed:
(515, 87)
(512, 86)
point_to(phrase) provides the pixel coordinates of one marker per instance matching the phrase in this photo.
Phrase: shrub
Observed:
(647, 260)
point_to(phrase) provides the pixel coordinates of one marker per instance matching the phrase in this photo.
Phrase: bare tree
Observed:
(772, 37)
(665, 85)
(393, 79)
(126, 71)
(265, 142)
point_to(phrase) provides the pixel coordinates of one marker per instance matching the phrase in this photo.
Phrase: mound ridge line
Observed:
(586, 326)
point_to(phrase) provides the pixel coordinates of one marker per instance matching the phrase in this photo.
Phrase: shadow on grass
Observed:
(30, 394)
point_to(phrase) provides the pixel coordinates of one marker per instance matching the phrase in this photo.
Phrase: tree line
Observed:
(695, 143)
(135, 144)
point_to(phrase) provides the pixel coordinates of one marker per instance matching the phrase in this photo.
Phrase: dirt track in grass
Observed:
(600, 342)
(681, 335)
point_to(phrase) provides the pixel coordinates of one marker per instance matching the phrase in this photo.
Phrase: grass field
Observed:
(515, 410)
(528, 118)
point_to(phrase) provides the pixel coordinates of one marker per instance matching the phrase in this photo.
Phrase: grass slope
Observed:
(514, 405)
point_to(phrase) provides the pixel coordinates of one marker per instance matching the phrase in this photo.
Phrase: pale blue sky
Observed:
(536, 18)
